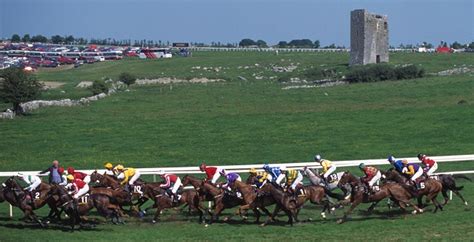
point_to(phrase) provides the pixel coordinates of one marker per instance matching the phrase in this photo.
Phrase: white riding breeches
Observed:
(87, 179)
(432, 170)
(215, 177)
(417, 174)
(375, 179)
(176, 186)
(329, 171)
(297, 181)
(81, 191)
(34, 185)
(134, 178)
(280, 178)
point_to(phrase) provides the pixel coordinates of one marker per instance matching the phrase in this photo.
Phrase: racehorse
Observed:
(197, 183)
(117, 191)
(78, 209)
(314, 193)
(253, 200)
(359, 195)
(430, 189)
(285, 202)
(163, 201)
(222, 199)
(449, 184)
(13, 193)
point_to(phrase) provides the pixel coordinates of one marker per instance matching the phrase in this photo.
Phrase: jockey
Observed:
(109, 169)
(172, 184)
(430, 165)
(273, 173)
(413, 170)
(33, 181)
(397, 164)
(80, 187)
(128, 176)
(79, 175)
(231, 177)
(212, 173)
(260, 176)
(293, 178)
(372, 175)
(328, 167)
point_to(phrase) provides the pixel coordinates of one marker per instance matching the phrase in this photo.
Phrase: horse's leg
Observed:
(157, 215)
(420, 201)
(444, 192)
(257, 215)
(372, 206)
(435, 202)
(460, 196)
(217, 211)
(355, 203)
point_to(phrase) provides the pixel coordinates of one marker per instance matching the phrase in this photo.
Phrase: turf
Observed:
(246, 122)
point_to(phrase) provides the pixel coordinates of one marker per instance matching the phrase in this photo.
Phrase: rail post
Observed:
(11, 211)
(451, 193)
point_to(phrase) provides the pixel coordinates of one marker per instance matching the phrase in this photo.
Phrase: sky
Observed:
(410, 21)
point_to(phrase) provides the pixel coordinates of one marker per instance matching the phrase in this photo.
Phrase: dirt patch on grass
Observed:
(84, 84)
(52, 85)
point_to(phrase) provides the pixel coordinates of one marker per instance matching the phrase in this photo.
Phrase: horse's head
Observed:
(95, 176)
(347, 178)
(11, 183)
(252, 179)
(185, 181)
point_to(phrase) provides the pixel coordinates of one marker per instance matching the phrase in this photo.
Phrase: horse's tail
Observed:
(334, 195)
(462, 176)
(458, 188)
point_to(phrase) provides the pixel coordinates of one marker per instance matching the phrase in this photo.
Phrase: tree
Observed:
(471, 45)
(301, 43)
(57, 39)
(15, 38)
(282, 44)
(127, 78)
(39, 38)
(261, 43)
(69, 39)
(17, 86)
(26, 38)
(427, 45)
(457, 45)
(317, 44)
(247, 42)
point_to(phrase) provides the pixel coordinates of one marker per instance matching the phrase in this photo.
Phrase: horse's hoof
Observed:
(323, 215)
(206, 225)
(153, 221)
(414, 212)
(465, 203)
(311, 219)
(340, 221)
(226, 219)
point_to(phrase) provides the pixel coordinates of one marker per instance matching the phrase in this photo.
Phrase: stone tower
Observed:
(369, 38)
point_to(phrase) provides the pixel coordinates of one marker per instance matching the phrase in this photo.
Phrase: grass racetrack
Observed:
(246, 122)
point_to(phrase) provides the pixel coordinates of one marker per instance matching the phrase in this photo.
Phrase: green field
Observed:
(252, 121)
